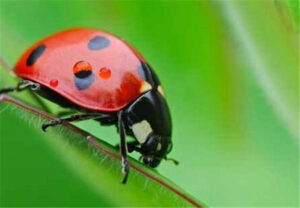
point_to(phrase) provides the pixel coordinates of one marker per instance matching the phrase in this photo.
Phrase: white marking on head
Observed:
(160, 90)
(158, 148)
(141, 131)
(145, 87)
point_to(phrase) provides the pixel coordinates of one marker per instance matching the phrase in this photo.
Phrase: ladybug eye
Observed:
(84, 76)
(82, 69)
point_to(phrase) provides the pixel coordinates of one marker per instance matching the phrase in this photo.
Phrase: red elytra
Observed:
(91, 68)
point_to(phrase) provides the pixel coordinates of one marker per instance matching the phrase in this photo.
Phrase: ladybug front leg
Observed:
(131, 146)
(123, 147)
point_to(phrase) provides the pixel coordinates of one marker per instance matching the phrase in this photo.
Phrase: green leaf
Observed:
(97, 162)
(230, 73)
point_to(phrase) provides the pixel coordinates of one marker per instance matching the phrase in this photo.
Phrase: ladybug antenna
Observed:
(176, 162)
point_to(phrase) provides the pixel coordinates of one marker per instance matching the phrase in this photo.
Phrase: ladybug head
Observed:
(149, 121)
(154, 149)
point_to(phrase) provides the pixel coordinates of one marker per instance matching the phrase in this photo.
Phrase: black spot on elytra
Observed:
(148, 74)
(83, 74)
(98, 42)
(35, 54)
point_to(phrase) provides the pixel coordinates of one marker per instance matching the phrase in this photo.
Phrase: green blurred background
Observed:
(230, 72)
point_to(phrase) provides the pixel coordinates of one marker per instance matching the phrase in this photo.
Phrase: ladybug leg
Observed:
(65, 113)
(73, 118)
(22, 85)
(7, 90)
(131, 146)
(123, 147)
(25, 84)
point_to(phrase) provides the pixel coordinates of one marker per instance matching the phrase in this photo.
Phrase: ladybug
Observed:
(105, 79)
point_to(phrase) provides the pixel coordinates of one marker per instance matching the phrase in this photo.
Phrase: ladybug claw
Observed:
(125, 171)
(124, 180)
(44, 127)
(52, 123)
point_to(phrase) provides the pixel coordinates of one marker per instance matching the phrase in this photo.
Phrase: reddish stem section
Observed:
(7, 99)
(5, 64)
